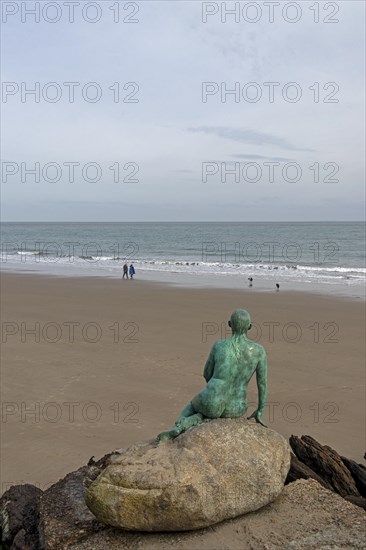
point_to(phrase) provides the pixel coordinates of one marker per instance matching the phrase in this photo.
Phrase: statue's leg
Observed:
(171, 434)
(187, 411)
(181, 426)
(190, 421)
(188, 418)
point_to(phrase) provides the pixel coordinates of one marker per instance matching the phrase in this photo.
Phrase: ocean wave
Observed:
(178, 265)
(26, 252)
(255, 266)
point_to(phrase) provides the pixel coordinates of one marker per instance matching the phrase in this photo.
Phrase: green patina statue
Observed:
(228, 370)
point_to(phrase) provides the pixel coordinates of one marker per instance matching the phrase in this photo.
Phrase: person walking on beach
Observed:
(132, 271)
(125, 271)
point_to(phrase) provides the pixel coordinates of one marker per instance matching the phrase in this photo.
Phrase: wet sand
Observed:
(111, 362)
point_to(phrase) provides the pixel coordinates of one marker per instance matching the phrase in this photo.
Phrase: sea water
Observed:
(293, 254)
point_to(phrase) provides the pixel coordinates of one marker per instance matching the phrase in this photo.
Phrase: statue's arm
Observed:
(210, 365)
(261, 374)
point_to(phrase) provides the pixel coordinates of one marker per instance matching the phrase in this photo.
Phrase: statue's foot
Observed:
(165, 436)
(181, 426)
(171, 434)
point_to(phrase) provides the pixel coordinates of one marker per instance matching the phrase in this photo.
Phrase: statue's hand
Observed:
(257, 416)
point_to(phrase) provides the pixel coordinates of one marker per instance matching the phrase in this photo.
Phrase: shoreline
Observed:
(148, 361)
(355, 291)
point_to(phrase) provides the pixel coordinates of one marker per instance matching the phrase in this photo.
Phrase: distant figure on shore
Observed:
(125, 271)
(228, 370)
(250, 279)
(278, 287)
(132, 271)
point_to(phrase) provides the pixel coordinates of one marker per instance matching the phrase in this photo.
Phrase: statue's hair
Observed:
(240, 321)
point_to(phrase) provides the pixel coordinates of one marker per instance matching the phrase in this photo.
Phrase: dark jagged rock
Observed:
(358, 472)
(101, 463)
(358, 501)
(331, 470)
(19, 508)
(20, 542)
(325, 462)
(64, 516)
(299, 470)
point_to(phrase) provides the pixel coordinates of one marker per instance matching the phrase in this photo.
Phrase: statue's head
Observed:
(240, 321)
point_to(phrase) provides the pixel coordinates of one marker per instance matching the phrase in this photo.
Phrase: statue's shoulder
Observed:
(259, 348)
(219, 344)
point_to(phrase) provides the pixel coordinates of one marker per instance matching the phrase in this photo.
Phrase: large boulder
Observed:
(218, 470)
(305, 516)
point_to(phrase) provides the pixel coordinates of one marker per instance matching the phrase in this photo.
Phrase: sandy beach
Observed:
(111, 362)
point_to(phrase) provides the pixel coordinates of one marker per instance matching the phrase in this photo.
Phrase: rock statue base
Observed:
(218, 470)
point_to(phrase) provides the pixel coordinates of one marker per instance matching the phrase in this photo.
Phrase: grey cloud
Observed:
(261, 157)
(182, 171)
(270, 199)
(251, 137)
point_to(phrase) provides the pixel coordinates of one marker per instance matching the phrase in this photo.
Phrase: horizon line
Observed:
(190, 221)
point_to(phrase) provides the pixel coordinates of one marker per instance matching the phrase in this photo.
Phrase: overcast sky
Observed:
(173, 143)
